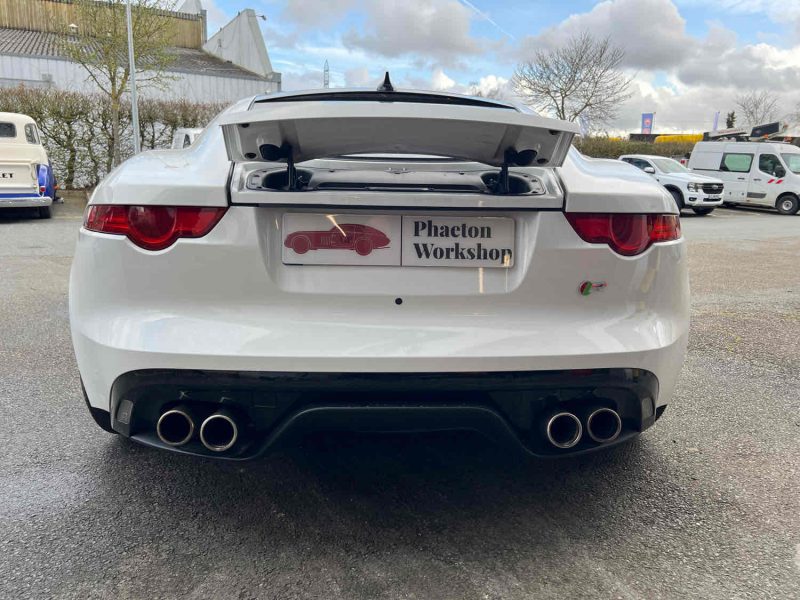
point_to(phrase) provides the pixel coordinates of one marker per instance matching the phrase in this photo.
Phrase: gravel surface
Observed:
(705, 505)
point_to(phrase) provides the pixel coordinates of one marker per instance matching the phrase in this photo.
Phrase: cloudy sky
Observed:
(689, 58)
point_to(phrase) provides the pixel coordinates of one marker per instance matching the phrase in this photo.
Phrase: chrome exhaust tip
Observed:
(175, 427)
(604, 425)
(219, 432)
(564, 430)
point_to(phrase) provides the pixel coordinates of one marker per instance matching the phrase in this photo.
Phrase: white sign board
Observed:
(395, 240)
(458, 242)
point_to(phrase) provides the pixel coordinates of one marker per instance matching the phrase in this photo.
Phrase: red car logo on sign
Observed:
(361, 239)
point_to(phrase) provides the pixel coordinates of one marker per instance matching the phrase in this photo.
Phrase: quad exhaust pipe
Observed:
(175, 427)
(564, 430)
(219, 432)
(604, 425)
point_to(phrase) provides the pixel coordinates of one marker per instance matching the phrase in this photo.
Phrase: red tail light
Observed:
(626, 234)
(152, 227)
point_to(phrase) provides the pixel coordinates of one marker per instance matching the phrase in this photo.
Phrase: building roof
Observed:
(18, 42)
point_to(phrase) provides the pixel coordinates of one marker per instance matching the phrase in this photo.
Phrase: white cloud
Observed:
(438, 30)
(359, 77)
(779, 12)
(310, 13)
(426, 44)
(492, 86)
(703, 75)
(309, 79)
(652, 32)
(440, 81)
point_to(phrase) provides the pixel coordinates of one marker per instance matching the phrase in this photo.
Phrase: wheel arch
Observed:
(672, 187)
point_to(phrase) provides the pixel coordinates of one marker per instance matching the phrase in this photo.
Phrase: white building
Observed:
(233, 64)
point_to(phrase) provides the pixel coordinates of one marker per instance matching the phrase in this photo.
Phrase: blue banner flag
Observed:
(647, 123)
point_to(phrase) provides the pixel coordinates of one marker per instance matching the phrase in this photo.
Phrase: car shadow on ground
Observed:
(19, 215)
(405, 489)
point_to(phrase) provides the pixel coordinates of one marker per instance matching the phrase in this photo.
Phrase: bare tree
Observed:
(757, 107)
(795, 116)
(583, 77)
(100, 46)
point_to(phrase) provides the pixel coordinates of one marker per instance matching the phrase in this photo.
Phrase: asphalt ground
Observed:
(704, 505)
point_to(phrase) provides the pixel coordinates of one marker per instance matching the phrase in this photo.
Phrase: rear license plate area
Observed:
(397, 240)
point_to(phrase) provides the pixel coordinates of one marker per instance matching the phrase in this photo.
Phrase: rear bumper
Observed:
(225, 302)
(273, 409)
(24, 201)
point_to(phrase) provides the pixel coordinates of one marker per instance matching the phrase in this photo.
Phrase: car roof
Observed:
(367, 95)
(724, 146)
(16, 118)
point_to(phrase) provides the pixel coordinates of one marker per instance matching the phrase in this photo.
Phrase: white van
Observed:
(755, 173)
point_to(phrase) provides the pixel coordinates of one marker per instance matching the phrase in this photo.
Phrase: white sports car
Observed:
(378, 261)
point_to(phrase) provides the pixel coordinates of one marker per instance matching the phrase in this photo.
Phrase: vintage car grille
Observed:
(712, 188)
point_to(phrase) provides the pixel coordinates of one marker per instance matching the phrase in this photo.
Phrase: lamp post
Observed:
(134, 99)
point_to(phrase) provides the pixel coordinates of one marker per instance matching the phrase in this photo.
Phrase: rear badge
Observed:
(587, 287)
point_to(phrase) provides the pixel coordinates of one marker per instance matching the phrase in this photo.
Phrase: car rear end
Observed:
(544, 304)
(24, 168)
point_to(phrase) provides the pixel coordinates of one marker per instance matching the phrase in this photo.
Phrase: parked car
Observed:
(26, 177)
(689, 190)
(514, 287)
(184, 137)
(755, 173)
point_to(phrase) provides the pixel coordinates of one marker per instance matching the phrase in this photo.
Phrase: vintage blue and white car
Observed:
(381, 261)
(26, 176)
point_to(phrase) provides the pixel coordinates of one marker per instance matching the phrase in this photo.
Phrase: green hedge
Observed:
(602, 147)
(76, 128)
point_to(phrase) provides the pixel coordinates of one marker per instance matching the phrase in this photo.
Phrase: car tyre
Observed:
(678, 197)
(703, 211)
(363, 246)
(301, 245)
(788, 205)
(45, 212)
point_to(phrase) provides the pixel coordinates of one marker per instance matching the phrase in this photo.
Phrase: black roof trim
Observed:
(381, 96)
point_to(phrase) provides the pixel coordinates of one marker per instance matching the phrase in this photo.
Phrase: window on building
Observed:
(736, 163)
(8, 130)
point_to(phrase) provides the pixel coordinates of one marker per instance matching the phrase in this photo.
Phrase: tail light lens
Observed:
(42, 176)
(626, 234)
(152, 227)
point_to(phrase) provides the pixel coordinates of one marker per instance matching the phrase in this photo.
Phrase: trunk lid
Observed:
(463, 148)
(324, 129)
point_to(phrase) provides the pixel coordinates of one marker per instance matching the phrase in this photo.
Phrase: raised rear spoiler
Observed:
(294, 131)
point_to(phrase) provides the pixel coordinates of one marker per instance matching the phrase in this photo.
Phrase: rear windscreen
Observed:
(8, 130)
